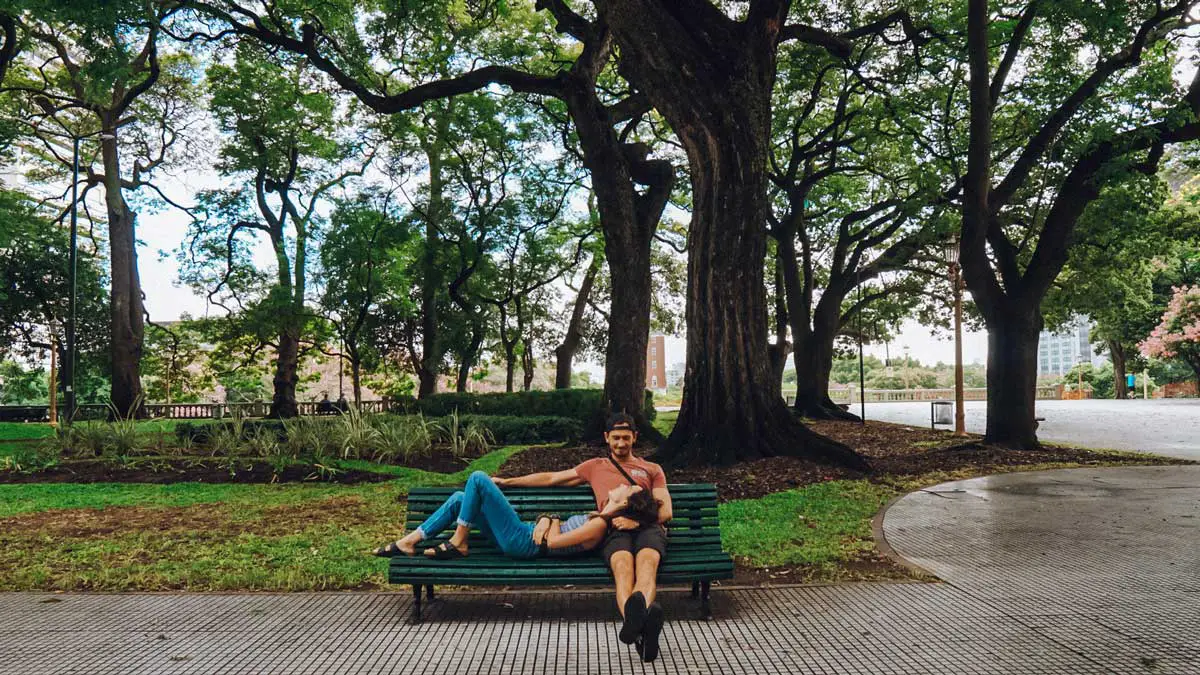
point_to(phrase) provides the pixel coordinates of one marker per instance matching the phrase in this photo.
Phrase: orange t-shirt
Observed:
(602, 476)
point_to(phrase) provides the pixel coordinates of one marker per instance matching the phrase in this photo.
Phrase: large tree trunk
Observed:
(356, 375)
(126, 293)
(1012, 377)
(717, 99)
(625, 357)
(629, 221)
(431, 278)
(813, 333)
(287, 364)
(813, 359)
(565, 352)
(1117, 350)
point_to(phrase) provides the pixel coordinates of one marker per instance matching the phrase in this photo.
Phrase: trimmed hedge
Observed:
(505, 429)
(512, 430)
(585, 405)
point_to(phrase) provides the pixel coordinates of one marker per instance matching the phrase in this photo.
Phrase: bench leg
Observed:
(695, 589)
(416, 603)
(429, 592)
(705, 607)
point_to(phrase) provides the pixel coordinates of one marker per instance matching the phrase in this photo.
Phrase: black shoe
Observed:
(650, 633)
(635, 618)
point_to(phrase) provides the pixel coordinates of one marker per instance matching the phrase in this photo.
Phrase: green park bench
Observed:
(693, 554)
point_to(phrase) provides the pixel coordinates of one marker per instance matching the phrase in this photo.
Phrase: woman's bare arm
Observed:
(587, 535)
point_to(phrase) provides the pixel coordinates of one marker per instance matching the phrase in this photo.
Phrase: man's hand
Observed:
(623, 523)
(500, 482)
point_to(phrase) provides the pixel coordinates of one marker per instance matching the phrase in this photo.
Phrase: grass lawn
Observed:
(16, 431)
(195, 536)
(316, 536)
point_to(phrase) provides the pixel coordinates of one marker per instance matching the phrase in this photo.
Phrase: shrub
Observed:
(511, 430)
(377, 437)
(584, 405)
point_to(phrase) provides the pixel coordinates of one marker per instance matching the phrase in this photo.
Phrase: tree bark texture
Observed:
(1117, 350)
(431, 279)
(1012, 353)
(125, 296)
(356, 381)
(813, 333)
(565, 352)
(629, 220)
(287, 366)
(711, 77)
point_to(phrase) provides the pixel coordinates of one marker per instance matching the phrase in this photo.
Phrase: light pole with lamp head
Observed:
(69, 365)
(951, 252)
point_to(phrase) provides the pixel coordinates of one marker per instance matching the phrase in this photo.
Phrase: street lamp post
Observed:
(69, 365)
(69, 398)
(951, 252)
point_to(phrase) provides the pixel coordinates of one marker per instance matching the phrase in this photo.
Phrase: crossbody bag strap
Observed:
(622, 470)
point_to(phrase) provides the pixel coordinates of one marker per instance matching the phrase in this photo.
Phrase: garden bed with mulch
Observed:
(172, 470)
(895, 451)
(197, 468)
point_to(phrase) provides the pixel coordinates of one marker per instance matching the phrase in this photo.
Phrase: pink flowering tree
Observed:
(1178, 334)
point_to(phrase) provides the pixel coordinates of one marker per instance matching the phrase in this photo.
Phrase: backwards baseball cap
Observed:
(622, 421)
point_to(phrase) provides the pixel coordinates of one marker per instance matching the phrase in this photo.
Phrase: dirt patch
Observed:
(76, 524)
(292, 518)
(210, 521)
(895, 451)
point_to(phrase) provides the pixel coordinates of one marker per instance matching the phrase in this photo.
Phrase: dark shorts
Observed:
(654, 537)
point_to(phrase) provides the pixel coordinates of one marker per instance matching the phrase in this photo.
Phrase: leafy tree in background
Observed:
(286, 143)
(35, 290)
(631, 186)
(19, 385)
(90, 69)
(1113, 269)
(175, 368)
(850, 200)
(1177, 336)
(1048, 132)
(368, 259)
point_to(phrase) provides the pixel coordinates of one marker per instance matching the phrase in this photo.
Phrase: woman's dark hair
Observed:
(642, 507)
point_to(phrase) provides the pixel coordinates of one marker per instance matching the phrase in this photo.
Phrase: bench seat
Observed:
(694, 552)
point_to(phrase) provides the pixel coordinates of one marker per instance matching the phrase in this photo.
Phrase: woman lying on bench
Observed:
(481, 504)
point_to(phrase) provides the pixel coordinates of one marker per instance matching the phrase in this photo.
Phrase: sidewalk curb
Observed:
(882, 545)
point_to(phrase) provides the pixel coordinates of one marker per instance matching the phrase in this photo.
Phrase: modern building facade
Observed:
(656, 363)
(1059, 352)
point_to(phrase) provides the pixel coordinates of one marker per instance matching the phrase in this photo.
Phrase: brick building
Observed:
(656, 363)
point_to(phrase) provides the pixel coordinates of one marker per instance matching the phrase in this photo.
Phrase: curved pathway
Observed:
(1077, 571)
(1103, 562)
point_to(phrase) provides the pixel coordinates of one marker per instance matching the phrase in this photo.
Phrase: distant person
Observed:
(342, 404)
(325, 407)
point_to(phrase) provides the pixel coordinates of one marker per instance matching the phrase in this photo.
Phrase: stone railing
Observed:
(181, 411)
(851, 394)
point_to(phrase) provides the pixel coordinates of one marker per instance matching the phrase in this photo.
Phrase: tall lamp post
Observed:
(69, 399)
(951, 252)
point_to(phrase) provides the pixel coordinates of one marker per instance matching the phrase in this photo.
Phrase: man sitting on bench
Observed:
(633, 551)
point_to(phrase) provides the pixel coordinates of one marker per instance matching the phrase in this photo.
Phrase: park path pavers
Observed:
(1081, 571)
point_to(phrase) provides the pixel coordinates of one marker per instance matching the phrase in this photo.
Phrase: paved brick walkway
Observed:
(1089, 571)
